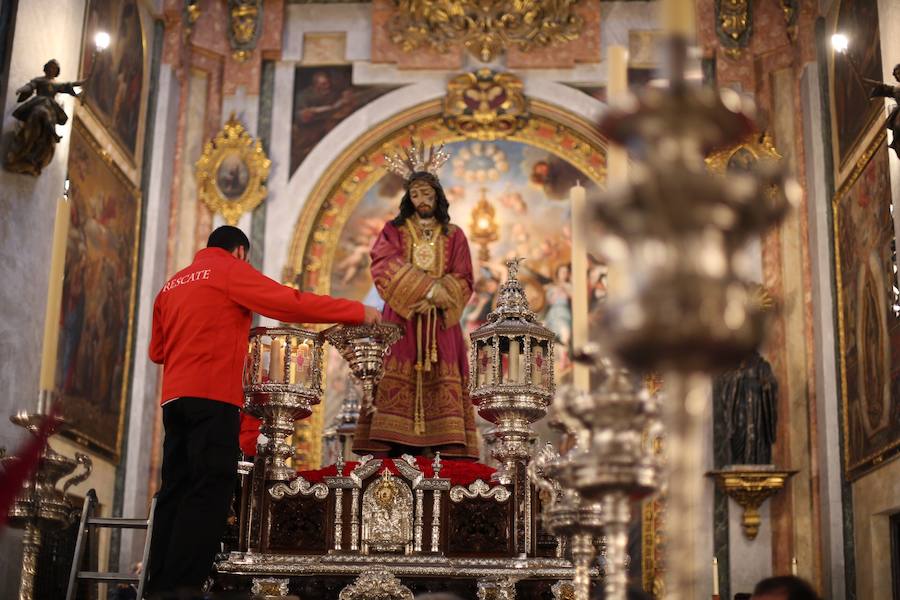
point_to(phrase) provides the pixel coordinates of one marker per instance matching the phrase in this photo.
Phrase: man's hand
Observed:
(373, 316)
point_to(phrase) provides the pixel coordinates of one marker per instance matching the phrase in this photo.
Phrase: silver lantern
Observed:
(282, 382)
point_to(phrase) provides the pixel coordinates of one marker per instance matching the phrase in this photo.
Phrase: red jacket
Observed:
(201, 320)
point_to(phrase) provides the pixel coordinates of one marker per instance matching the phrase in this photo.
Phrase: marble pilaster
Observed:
(27, 206)
(144, 401)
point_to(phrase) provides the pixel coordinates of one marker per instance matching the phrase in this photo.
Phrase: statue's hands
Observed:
(422, 306)
(440, 297)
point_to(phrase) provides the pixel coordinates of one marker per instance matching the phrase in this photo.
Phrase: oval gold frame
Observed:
(232, 139)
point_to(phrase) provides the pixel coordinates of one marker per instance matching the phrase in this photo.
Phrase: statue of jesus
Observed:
(422, 269)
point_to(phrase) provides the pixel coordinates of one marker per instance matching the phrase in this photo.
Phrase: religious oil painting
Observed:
(232, 176)
(528, 189)
(852, 107)
(870, 315)
(98, 295)
(115, 76)
(323, 97)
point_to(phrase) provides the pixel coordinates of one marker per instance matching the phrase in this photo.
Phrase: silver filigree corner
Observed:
(299, 486)
(563, 589)
(497, 589)
(376, 585)
(269, 587)
(479, 489)
(409, 468)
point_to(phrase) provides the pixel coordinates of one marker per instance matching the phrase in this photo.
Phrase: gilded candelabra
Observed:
(364, 348)
(41, 505)
(685, 305)
(282, 381)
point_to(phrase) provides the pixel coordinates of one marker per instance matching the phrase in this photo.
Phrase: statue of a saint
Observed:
(749, 395)
(32, 147)
(884, 90)
(422, 269)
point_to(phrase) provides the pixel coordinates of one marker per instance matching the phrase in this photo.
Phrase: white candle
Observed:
(54, 295)
(678, 18)
(794, 566)
(513, 369)
(276, 361)
(303, 358)
(581, 375)
(715, 567)
(617, 92)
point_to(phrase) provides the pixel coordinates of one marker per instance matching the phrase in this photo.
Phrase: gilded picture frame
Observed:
(868, 327)
(853, 113)
(232, 171)
(118, 78)
(97, 332)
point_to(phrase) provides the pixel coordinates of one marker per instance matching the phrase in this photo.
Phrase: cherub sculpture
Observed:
(31, 148)
(884, 90)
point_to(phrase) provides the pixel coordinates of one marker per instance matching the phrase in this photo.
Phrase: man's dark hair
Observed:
(228, 238)
(441, 205)
(792, 587)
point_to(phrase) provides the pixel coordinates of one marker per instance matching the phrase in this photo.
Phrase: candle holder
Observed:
(282, 382)
(41, 505)
(685, 229)
(339, 434)
(511, 374)
(611, 465)
(620, 465)
(568, 515)
(364, 348)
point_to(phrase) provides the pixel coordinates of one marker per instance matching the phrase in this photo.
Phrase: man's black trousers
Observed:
(199, 472)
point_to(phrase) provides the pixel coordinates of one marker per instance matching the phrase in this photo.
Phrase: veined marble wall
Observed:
(28, 206)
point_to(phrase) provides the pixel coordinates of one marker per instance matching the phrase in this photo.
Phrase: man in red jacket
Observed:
(201, 320)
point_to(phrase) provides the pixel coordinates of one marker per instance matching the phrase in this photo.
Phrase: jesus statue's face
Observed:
(423, 198)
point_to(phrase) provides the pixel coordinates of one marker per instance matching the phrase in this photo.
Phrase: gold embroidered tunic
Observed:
(422, 401)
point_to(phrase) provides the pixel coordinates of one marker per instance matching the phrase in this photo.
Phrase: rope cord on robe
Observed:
(426, 353)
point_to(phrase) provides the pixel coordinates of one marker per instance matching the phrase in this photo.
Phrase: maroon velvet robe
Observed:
(449, 419)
